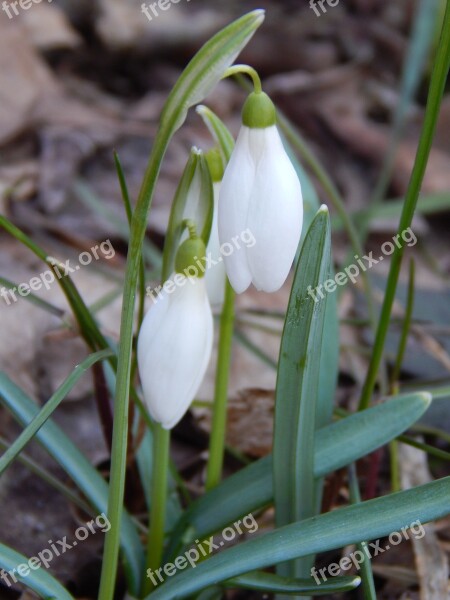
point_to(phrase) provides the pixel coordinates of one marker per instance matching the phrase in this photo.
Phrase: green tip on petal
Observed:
(215, 164)
(190, 251)
(259, 111)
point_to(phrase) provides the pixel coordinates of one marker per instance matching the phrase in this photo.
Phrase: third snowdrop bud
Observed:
(215, 275)
(175, 340)
(261, 192)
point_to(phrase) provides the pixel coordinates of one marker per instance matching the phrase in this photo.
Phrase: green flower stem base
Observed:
(155, 541)
(219, 418)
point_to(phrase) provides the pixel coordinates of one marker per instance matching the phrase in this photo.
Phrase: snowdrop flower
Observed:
(261, 192)
(215, 276)
(175, 340)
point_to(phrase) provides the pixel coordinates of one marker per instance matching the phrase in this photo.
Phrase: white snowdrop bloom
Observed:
(260, 192)
(215, 275)
(175, 343)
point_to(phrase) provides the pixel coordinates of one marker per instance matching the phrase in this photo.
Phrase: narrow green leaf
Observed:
(415, 63)
(98, 206)
(75, 464)
(38, 580)
(336, 446)
(297, 386)
(45, 413)
(392, 209)
(34, 299)
(368, 520)
(274, 584)
(88, 327)
(368, 583)
(436, 91)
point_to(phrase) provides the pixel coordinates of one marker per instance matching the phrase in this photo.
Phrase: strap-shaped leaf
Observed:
(368, 520)
(336, 446)
(270, 583)
(39, 580)
(76, 465)
(297, 386)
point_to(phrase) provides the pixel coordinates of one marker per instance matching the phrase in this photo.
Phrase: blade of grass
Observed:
(151, 253)
(50, 479)
(368, 583)
(88, 326)
(437, 86)
(415, 63)
(129, 213)
(45, 413)
(39, 302)
(393, 446)
(426, 205)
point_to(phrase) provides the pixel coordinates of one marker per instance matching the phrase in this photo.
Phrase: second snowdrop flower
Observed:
(175, 341)
(260, 191)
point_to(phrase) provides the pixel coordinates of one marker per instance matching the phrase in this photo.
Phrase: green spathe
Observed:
(259, 111)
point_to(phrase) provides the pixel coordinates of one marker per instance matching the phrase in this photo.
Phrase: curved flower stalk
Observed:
(260, 192)
(175, 340)
(215, 275)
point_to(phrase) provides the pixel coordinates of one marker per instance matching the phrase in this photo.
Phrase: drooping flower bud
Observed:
(215, 275)
(175, 340)
(260, 192)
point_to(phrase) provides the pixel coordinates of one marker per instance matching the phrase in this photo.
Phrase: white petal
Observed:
(193, 208)
(215, 275)
(235, 193)
(174, 350)
(275, 214)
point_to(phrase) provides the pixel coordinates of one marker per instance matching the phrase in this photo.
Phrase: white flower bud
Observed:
(175, 342)
(260, 192)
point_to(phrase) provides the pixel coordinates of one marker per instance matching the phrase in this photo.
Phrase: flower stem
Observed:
(219, 417)
(121, 404)
(235, 69)
(155, 540)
